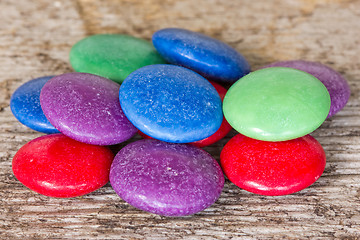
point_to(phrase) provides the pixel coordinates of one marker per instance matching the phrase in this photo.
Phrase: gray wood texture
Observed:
(35, 39)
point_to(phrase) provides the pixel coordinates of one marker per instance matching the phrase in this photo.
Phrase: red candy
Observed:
(224, 129)
(57, 166)
(273, 168)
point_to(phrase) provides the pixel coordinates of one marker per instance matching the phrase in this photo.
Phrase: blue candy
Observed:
(209, 57)
(25, 105)
(171, 103)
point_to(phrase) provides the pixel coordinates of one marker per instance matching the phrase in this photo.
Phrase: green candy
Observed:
(276, 104)
(113, 56)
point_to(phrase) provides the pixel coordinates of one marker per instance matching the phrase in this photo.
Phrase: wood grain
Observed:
(35, 39)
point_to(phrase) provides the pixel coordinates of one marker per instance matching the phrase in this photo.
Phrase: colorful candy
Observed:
(171, 103)
(57, 166)
(337, 86)
(86, 108)
(210, 57)
(273, 168)
(166, 178)
(275, 107)
(113, 56)
(25, 105)
(276, 104)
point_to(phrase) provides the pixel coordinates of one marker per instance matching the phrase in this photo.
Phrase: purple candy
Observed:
(86, 107)
(337, 86)
(166, 178)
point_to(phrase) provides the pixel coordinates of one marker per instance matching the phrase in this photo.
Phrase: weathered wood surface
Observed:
(35, 39)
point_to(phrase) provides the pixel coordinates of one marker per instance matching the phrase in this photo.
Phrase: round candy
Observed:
(276, 104)
(337, 86)
(57, 166)
(210, 57)
(113, 56)
(166, 178)
(25, 105)
(86, 108)
(220, 133)
(273, 168)
(171, 103)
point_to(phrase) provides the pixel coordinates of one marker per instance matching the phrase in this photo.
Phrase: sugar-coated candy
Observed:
(337, 86)
(210, 57)
(25, 105)
(273, 168)
(276, 104)
(57, 166)
(171, 103)
(113, 56)
(86, 108)
(166, 178)
(220, 133)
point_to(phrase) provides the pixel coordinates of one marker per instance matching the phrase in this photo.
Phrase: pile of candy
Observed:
(273, 109)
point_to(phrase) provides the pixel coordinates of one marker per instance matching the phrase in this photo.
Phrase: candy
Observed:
(220, 133)
(210, 57)
(276, 104)
(86, 108)
(113, 56)
(273, 168)
(337, 86)
(175, 104)
(25, 105)
(171, 103)
(57, 166)
(165, 178)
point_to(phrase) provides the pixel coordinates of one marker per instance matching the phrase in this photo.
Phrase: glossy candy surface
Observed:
(211, 58)
(165, 178)
(25, 105)
(86, 108)
(113, 56)
(276, 104)
(337, 86)
(171, 103)
(220, 133)
(273, 168)
(57, 166)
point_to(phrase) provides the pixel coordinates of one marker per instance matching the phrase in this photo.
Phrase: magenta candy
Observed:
(86, 107)
(337, 86)
(166, 178)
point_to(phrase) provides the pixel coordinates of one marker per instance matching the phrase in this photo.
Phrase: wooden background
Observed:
(35, 39)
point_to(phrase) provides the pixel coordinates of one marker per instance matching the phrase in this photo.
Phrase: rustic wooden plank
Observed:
(35, 38)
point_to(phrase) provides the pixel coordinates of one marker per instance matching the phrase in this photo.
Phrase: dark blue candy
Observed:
(211, 58)
(171, 103)
(25, 105)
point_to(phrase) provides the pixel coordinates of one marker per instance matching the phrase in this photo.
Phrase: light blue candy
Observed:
(211, 58)
(25, 105)
(171, 103)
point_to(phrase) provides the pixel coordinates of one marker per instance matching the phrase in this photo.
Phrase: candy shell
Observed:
(86, 108)
(57, 166)
(337, 86)
(273, 168)
(209, 57)
(276, 104)
(224, 129)
(166, 178)
(171, 103)
(113, 56)
(25, 105)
